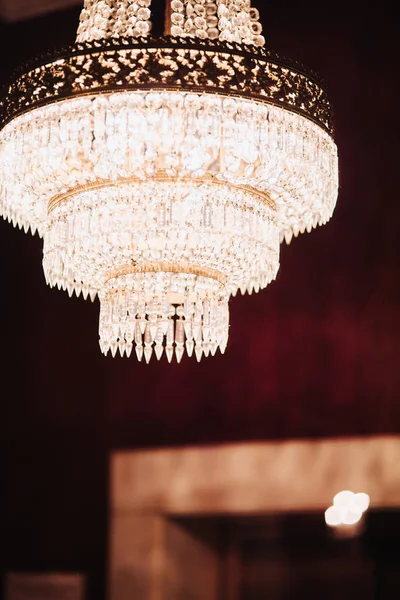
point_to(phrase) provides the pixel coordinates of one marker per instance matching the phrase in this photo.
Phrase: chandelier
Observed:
(164, 172)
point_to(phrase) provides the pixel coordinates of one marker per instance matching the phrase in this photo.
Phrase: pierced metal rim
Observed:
(248, 87)
(168, 41)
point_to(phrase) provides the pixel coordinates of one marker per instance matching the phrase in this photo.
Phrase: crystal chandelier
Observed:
(163, 173)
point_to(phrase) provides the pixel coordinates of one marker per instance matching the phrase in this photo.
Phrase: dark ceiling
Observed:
(316, 354)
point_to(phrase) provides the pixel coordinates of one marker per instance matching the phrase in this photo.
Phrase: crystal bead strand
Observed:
(226, 20)
(102, 19)
(305, 198)
(239, 22)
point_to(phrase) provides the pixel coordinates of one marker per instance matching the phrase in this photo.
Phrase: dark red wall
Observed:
(316, 354)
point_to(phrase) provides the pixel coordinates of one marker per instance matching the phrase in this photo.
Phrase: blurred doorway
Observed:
(246, 522)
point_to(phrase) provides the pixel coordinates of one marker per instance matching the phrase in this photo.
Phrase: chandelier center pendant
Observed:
(164, 173)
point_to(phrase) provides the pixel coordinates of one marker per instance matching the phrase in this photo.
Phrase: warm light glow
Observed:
(344, 499)
(362, 501)
(333, 516)
(347, 509)
(164, 204)
(351, 516)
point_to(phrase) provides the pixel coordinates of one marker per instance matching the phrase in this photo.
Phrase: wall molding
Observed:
(151, 489)
(256, 477)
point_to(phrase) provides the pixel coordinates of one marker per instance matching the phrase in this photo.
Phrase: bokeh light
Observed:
(348, 509)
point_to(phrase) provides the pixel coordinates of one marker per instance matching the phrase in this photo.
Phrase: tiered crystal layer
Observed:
(151, 313)
(57, 148)
(164, 256)
(164, 204)
(216, 228)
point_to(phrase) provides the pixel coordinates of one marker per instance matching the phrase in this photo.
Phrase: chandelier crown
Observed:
(224, 20)
(163, 173)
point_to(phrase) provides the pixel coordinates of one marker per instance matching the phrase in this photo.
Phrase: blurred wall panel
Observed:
(18, 10)
(48, 586)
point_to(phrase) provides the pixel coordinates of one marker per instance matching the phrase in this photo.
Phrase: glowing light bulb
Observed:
(362, 501)
(351, 516)
(347, 510)
(333, 516)
(345, 499)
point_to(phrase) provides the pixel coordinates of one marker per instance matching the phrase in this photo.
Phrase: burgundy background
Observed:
(316, 354)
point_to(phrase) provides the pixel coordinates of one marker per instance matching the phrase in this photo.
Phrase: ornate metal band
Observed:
(206, 179)
(165, 267)
(167, 63)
